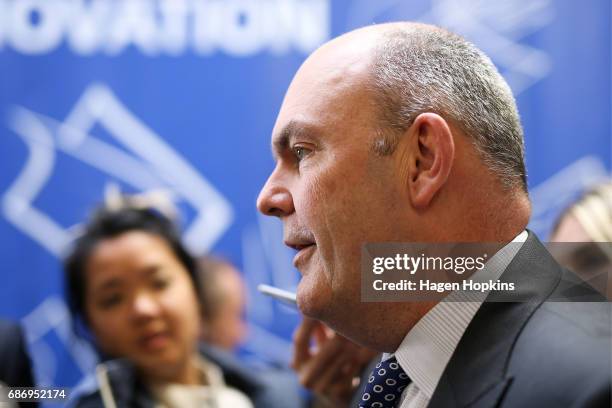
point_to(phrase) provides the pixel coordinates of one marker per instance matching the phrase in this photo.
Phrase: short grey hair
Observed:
(420, 68)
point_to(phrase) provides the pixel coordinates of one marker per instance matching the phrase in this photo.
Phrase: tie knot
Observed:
(385, 385)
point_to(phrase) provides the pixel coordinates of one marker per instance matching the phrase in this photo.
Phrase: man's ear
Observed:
(432, 154)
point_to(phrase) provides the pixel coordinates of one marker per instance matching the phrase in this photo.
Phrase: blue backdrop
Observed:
(182, 95)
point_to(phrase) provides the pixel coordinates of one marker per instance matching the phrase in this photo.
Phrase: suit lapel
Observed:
(476, 373)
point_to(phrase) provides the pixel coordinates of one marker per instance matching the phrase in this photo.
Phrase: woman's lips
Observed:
(155, 342)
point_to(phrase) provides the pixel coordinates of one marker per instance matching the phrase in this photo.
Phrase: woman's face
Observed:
(141, 304)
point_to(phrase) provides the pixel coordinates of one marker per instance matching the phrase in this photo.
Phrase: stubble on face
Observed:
(338, 194)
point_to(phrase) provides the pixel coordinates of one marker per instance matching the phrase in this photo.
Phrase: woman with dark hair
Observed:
(131, 282)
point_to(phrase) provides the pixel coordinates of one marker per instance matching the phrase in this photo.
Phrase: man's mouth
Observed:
(304, 252)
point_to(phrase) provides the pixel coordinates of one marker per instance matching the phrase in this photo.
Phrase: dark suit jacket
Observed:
(15, 367)
(549, 347)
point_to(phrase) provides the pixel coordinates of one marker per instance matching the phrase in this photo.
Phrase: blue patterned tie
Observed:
(385, 385)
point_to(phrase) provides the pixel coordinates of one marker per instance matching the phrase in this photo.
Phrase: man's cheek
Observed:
(319, 186)
(309, 204)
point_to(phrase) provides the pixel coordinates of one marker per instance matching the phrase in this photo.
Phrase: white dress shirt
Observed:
(429, 345)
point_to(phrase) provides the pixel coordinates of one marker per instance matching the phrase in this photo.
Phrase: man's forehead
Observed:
(332, 62)
(335, 64)
(354, 45)
(330, 83)
(318, 87)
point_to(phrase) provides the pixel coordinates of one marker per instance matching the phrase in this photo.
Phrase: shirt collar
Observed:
(429, 345)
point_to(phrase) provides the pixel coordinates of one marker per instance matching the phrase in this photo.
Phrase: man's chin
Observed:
(312, 301)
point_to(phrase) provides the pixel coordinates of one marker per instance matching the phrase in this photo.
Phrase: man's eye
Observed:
(300, 152)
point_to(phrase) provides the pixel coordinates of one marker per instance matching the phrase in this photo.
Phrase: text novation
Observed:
(164, 27)
(413, 264)
(440, 287)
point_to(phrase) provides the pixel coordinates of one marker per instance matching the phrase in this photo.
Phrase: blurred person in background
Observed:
(584, 236)
(224, 330)
(15, 364)
(131, 282)
(223, 303)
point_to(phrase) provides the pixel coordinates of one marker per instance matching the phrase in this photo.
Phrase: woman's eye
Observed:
(108, 302)
(160, 283)
(300, 152)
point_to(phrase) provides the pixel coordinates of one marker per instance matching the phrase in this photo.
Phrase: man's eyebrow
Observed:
(282, 140)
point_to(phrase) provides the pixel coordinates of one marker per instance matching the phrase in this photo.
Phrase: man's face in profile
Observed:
(330, 189)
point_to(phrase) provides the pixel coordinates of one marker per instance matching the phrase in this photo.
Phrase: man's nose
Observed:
(275, 199)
